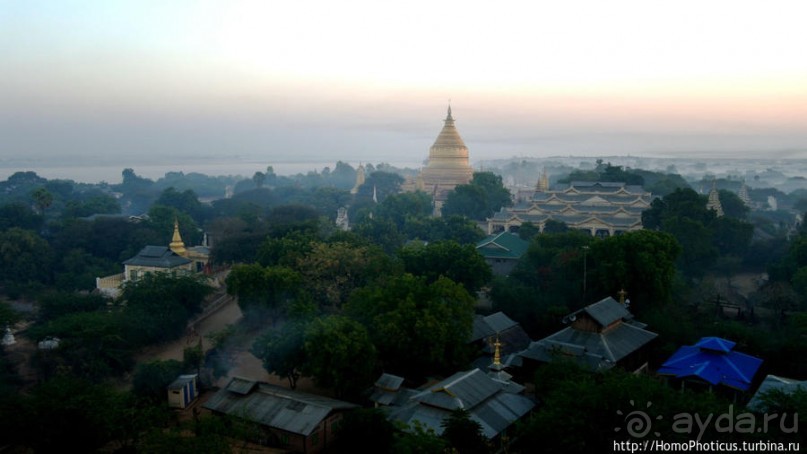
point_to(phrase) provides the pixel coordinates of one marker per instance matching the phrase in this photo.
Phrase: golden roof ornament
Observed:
(177, 245)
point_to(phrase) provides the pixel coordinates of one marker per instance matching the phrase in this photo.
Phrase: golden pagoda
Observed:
(177, 245)
(448, 164)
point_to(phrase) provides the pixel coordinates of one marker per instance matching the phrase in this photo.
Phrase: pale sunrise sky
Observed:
(127, 81)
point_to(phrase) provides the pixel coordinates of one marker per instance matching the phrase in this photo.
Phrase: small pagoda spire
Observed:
(449, 118)
(543, 182)
(360, 179)
(177, 245)
(743, 195)
(497, 354)
(622, 294)
(714, 200)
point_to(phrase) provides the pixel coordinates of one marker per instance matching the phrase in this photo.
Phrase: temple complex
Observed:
(448, 165)
(599, 208)
(174, 258)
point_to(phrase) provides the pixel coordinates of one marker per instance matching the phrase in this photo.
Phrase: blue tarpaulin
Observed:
(713, 360)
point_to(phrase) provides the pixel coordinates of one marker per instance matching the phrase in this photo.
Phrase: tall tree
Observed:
(339, 354)
(479, 199)
(281, 351)
(641, 262)
(419, 328)
(333, 270)
(462, 264)
(263, 290)
(24, 257)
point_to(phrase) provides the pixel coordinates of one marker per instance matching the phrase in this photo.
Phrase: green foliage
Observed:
(381, 232)
(339, 355)
(702, 235)
(8, 316)
(364, 430)
(554, 265)
(55, 304)
(553, 226)
(19, 215)
(383, 183)
(90, 204)
(641, 262)
(418, 328)
(333, 270)
(418, 440)
(24, 257)
(185, 202)
(94, 345)
(732, 206)
(151, 379)
(159, 305)
(576, 403)
(731, 236)
(66, 414)
(464, 434)
(263, 291)
(285, 250)
(162, 218)
(461, 264)
(605, 173)
(479, 199)
(42, 199)
(400, 207)
(77, 269)
(282, 350)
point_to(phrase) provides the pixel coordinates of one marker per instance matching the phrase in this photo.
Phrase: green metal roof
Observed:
(502, 245)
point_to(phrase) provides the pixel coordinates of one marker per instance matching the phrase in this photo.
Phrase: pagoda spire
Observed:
(743, 195)
(497, 354)
(543, 182)
(177, 245)
(714, 200)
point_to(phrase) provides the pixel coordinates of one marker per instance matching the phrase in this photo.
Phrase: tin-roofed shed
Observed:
(291, 419)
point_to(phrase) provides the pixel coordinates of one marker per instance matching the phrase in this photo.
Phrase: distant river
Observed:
(111, 173)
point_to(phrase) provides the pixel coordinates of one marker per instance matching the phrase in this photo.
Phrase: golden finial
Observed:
(177, 245)
(497, 354)
(622, 294)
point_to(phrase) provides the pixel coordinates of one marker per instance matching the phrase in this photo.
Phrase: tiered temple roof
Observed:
(592, 206)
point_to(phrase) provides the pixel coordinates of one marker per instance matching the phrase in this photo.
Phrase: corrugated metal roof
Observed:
(771, 383)
(461, 390)
(389, 382)
(502, 245)
(241, 386)
(494, 413)
(181, 381)
(589, 348)
(276, 407)
(605, 311)
(157, 257)
(500, 322)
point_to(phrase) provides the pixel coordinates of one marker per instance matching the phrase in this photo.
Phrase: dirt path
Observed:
(242, 362)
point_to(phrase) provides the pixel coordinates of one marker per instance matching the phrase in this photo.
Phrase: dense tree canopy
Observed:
(418, 327)
(479, 199)
(263, 290)
(339, 354)
(462, 264)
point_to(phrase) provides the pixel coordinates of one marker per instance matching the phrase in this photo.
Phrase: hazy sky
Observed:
(128, 81)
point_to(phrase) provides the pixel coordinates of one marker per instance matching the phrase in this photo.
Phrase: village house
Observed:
(599, 337)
